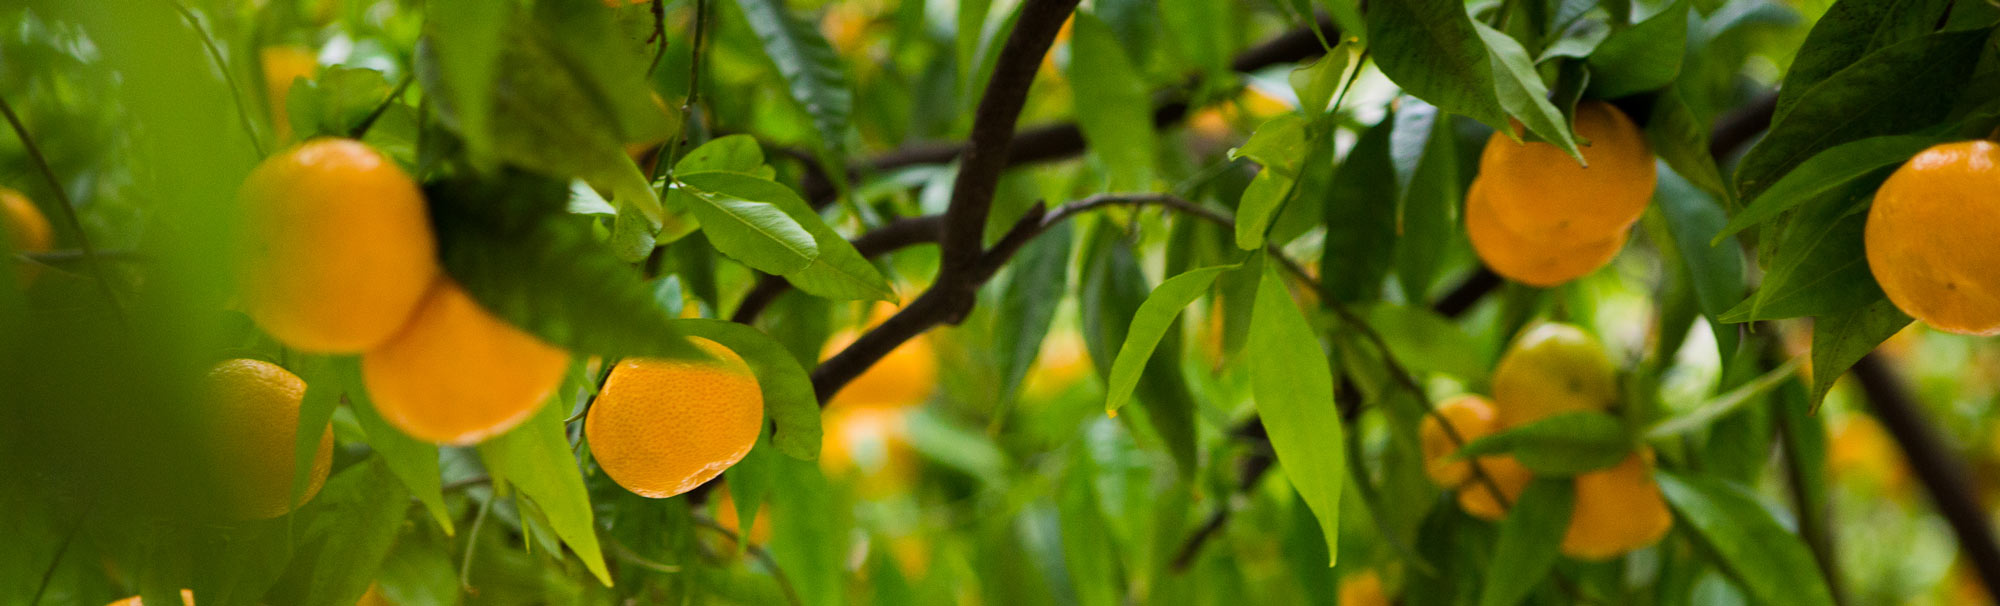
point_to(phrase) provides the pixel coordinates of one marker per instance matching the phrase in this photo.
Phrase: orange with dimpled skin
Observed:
(457, 374)
(661, 427)
(1541, 193)
(1930, 236)
(1542, 263)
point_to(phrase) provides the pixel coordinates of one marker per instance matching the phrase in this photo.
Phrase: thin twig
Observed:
(382, 108)
(688, 118)
(757, 551)
(235, 92)
(472, 545)
(68, 207)
(49, 574)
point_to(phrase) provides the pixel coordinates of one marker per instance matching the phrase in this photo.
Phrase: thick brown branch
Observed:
(1940, 471)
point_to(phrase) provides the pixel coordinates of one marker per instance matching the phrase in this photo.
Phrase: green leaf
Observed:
(1751, 545)
(1708, 412)
(1107, 89)
(1037, 279)
(1681, 139)
(1200, 32)
(1560, 445)
(1640, 58)
(756, 232)
(1113, 288)
(535, 458)
(1521, 92)
(789, 403)
(1360, 215)
(1820, 265)
(1089, 553)
(732, 153)
(1259, 207)
(336, 101)
(358, 516)
(1714, 270)
(1423, 152)
(1899, 89)
(315, 409)
(507, 241)
(465, 36)
(1293, 387)
(838, 271)
(414, 462)
(1426, 341)
(1433, 52)
(749, 483)
(1841, 339)
(1827, 171)
(1849, 31)
(809, 66)
(1530, 541)
(1318, 82)
(1151, 322)
(1277, 144)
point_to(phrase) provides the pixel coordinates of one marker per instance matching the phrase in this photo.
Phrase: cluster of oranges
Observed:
(1551, 369)
(1536, 216)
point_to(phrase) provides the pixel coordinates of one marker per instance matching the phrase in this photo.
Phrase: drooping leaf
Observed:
(1259, 206)
(507, 241)
(414, 462)
(757, 233)
(811, 69)
(1277, 144)
(1827, 171)
(1841, 339)
(837, 271)
(1643, 57)
(358, 516)
(1681, 139)
(1293, 387)
(1560, 445)
(789, 404)
(1151, 322)
(535, 459)
(1423, 152)
(1520, 90)
(1360, 216)
(1899, 89)
(1530, 541)
(1773, 564)
(1714, 270)
(1113, 288)
(1819, 265)
(1039, 278)
(1107, 89)
(1433, 52)
(1318, 82)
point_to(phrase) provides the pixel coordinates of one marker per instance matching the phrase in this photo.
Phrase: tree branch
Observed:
(1941, 473)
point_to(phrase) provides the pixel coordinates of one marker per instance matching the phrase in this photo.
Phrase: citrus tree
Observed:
(1019, 302)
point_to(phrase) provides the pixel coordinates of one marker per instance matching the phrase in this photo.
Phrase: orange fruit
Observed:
(23, 227)
(187, 599)
(662, 427)
(1930, 233)
(1531, 261)
(871, 444)
(282, 66)
(1541, 193)
(457, 374)
(903, 378)
(1363, 589)
(252, 426)
(336, 246)
(1617, 510)
(373, 597)
(1508, 474)
(1550, 369)
(1473, 417)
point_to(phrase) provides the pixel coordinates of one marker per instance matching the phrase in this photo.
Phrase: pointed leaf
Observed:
(838, 271)
(1753, 547)
(789, 403)
(1521, 92)
(1640, 58)
(1827, 171)
(1293, 388)
(1841, 339)
(1530, 540)
(535, 458)
(755, 232)
(809, 65)
(1154, 318)
(1039, 277)
(1560, 445)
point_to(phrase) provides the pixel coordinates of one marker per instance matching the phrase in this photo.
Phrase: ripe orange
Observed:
(662, 427)
(1617, 510)
(1508, 474)
(1552, 368)
(337, 248)
(1930, 233)
(187, 599)
(1540, 192)
(252, 426)
(1472, 417)
(903, 378)
(457, 374)
(23, 227)
(1363, 589)
(1535, 262)
(282, 66)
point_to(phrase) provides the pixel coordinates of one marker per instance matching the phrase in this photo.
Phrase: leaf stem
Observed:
(41, 163)
(228, 77)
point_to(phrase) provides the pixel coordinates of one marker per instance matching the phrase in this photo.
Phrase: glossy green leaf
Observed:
(1849, 31)
(1530, 541)
(535, 459)
(1752, 546)
(1521, 92)
(1433, 52)
(1107, 89)
(1560, 445)
(750, 230)
(1423, 153)
(1643, 57)
(1826, 171)
(838, 271)
(789, 404)
(1899, 89)
(1277, 144)
(1151, 322)
(1293, 387)
(1820, 264)
(1259, 206)
(1841, 339)
(811, 70)
(507, 241)
(732, 153)
(1318, 82)
(1113, 288)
